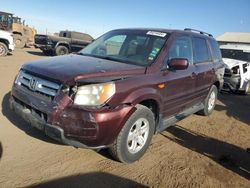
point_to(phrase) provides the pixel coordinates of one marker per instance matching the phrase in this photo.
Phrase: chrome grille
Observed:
(37, 85)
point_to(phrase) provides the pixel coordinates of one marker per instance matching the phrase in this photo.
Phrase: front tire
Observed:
(3, 49)
(62, 50)
(210, 102)
(135, 137)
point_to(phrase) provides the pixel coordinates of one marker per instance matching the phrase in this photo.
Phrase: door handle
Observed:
(193, 75)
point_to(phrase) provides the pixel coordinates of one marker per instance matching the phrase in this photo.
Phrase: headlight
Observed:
(95, 94)
(18, 77)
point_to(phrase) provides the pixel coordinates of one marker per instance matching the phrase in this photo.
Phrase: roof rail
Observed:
(201, 32)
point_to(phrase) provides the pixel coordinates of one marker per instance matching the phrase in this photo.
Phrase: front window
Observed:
(127, 46)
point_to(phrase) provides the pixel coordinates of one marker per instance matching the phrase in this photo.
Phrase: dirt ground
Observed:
(197, 152)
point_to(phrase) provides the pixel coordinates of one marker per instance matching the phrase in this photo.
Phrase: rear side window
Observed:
(215, 50)
(245, 67)
(200, 50)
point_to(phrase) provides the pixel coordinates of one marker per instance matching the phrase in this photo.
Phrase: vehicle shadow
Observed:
(94, 179)
(229, 156)
(21, 124)
(237, 106)
(37, 53)
(1, 150)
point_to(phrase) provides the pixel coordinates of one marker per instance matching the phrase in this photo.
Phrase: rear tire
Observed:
(19, 41)
(62, 50)
(210, 102)
(135, 137)
(3, 49)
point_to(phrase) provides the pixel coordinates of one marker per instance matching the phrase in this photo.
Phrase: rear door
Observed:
(79, 41)
(180, 84)
(204, 68)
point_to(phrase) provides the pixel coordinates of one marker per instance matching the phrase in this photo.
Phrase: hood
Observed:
(70, 68)
(5, 33)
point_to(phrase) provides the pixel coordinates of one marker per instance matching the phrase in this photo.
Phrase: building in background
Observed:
(234, 37)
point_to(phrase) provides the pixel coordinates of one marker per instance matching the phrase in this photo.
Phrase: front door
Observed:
(180, 84)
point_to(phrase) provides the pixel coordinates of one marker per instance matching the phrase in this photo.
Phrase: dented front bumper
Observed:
(69, 124)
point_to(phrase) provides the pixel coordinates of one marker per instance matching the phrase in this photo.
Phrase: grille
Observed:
(37, 85)
(39, 39)
(33, 111)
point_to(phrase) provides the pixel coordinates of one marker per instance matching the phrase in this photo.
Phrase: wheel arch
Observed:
(153, 105)
(5, 41)
(66, 44)
(17, 33)
(218, 85)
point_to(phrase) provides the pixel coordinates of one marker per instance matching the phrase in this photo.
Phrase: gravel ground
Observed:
(197, 152)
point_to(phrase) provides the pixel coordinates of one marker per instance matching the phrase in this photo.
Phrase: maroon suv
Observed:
(121, 89)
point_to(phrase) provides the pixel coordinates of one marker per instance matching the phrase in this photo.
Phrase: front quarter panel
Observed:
(133, 91)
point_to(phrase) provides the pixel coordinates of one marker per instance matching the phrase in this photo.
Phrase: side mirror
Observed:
(178, 64)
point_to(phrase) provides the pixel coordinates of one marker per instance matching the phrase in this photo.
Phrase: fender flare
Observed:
(62, 43)
(149, 93)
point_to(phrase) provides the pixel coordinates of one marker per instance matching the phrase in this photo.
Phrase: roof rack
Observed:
(201, 32)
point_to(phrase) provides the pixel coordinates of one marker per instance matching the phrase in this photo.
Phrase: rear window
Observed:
(81, 36)
(215, 50)
(64, 34)
(200, 50)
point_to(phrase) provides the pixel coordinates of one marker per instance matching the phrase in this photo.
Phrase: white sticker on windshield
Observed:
(156, 33)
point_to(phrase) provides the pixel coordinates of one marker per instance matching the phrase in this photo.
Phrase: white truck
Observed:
(237, 71)
(6, 43)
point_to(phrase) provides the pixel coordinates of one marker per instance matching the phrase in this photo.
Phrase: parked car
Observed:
(237, 72)
(121, 89)
(6, 43)
(66, 42)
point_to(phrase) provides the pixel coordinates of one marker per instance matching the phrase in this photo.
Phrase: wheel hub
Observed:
(1, 50)
(211, 101)
(138, 135)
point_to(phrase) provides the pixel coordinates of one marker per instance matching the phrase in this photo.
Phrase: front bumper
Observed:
(52, 131)
(44, 47)
(69, 124)
(231, 83)
(11, 47)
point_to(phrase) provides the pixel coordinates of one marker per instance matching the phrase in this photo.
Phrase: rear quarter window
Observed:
(81, 36)
(201, 53)
(216, 53)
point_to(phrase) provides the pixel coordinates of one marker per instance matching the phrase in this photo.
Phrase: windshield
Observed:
(235, 54)
(132, 47)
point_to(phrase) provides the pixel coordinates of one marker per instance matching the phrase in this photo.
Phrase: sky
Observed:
(96, 17)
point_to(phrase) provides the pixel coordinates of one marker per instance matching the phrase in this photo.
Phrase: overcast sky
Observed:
(98, 16)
